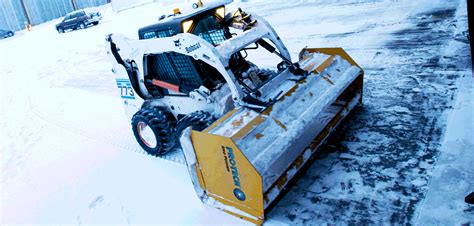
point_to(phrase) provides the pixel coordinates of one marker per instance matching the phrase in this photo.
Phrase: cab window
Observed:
(210, 29)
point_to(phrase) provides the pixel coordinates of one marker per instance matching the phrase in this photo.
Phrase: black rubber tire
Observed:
(162, 125)
(95, 23)
(198, 120)
(470, 198)
(60, 30)
(10, 34)
(81, 26)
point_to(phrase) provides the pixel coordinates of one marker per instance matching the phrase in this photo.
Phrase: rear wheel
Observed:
(154, 130)
(60, 30)
(82, 26)
(10, 34)
(95, 23)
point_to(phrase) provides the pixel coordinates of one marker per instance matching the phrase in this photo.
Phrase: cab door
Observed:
(67, 22)
(71, 23)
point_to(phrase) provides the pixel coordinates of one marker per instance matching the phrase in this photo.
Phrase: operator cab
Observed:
(180, 71)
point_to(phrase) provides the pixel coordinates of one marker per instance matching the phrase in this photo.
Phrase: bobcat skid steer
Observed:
(245, 131)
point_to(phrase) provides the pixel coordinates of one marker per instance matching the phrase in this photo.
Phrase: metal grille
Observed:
(149, 35)
(165, 33)
(164, 69)
(214, 37)
(186, 70)
(174, 68)
(177, 69)
(158, 34)
(211, 30)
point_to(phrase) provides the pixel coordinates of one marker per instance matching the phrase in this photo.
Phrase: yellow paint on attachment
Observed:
(216, 172)
(327, 80)
(218, 122)
(281, 181)
(200, 178)
(224, 169)
(248, 127)
(324, 65)
(240, 121)
(320, 68)
(279, 123)
(330, 51)
(251, 220)
(304, 59)
(298, 161)
(310, 66)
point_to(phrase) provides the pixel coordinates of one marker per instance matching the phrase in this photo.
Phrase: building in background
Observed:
(18, 14)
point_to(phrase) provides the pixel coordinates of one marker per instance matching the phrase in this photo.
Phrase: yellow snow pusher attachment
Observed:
(244, 159)
(245, 130)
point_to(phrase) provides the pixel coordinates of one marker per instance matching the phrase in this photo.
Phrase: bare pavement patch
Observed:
(377, 168)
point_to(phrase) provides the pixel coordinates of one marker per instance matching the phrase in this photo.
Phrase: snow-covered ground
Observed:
(67, 154)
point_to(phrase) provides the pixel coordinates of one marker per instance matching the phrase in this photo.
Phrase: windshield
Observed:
(67, 17)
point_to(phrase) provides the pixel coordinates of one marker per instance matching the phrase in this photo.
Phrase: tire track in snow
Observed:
(122, 141)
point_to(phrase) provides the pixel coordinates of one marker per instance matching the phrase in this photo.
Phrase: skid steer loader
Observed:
(245, 131)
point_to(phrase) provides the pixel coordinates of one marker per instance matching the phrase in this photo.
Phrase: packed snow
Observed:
(68, 156)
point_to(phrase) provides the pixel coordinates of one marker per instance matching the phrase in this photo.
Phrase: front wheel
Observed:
(60, 30)
(82, 26)
(153, 129)
(95, 23)
(10, 34)
(198, 120)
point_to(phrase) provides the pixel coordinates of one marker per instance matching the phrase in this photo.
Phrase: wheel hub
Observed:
(146, 134)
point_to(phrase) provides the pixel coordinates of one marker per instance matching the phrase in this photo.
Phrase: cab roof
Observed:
(172, 23)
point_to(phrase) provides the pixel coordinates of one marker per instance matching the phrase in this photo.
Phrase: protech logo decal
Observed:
(193, 47)
(231, 166)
